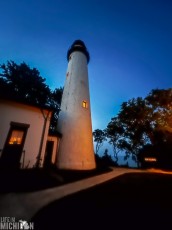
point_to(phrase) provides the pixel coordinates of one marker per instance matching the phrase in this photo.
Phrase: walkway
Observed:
(26, 205)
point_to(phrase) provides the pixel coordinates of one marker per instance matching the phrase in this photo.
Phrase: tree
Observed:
(144, 121)
(104, 161)
(99, 137)
(135, 118)
(161, 139)
(25, 84)
(55, 102)
(161, 103)
(107, 159)
(21, 83)
(114, 133)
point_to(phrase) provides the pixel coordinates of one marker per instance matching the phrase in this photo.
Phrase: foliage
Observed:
(141, 122)
(107, 159)
(54, 103)
(24, 84)
(114, 133)
(104, 161)
(99, 136)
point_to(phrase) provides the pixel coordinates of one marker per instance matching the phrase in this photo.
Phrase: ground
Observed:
(131, 201)
(30, 180)
(134, 200)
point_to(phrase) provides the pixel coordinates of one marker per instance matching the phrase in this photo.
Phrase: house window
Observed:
(84, 104)
(16, 137)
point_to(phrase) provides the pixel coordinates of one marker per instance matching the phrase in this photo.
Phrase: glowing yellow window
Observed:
(150, 159)
(16, 137)
(84, 104)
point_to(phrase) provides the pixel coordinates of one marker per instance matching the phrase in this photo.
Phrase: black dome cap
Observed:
(78, 45)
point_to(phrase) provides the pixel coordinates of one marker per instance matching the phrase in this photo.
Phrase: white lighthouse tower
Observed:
(76, 146)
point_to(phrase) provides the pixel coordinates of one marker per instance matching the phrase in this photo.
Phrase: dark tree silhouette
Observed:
(25, 84)
(114, 133)
(142, 122)
(107, 159)
(99, 137)
(54, 102)
(104, 161)
(21, 83)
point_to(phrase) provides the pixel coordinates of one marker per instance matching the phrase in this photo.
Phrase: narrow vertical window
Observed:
(67, 74)
(84, 104)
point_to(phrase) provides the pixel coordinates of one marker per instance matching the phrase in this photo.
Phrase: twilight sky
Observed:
(130, 44)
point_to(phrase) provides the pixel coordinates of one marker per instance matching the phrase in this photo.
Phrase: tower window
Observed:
(84, 104)
(67, 74)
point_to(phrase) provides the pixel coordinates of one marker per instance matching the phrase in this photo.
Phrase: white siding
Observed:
(15, 112)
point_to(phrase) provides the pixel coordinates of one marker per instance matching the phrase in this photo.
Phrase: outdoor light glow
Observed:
(150, 159)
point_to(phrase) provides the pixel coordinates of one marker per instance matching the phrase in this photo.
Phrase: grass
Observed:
(30, 180)
(131, 201)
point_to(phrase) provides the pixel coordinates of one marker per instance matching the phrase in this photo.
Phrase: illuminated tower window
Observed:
(84, 104)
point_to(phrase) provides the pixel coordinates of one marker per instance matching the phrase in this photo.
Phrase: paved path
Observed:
(26, 205)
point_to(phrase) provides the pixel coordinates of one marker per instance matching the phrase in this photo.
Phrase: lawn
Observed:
(30, 180)
(131, 201)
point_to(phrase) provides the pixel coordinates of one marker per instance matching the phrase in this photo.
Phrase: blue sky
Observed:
(129, 43)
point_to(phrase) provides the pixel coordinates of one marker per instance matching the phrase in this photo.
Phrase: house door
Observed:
(13, 147)
(48, 153)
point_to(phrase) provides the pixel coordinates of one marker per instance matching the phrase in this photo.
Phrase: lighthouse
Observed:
(76, 146)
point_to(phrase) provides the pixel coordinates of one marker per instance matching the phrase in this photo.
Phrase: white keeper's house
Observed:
(25, 141)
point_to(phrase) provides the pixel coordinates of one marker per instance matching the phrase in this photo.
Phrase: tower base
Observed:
(77, 165)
